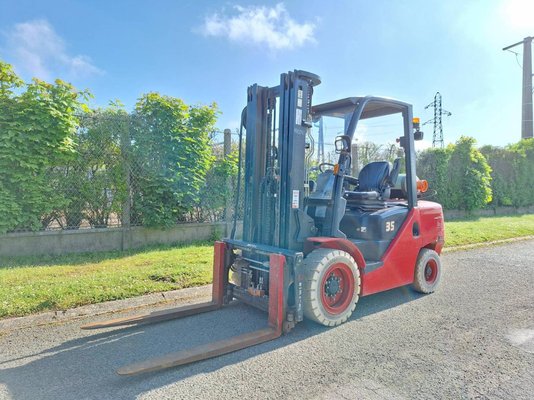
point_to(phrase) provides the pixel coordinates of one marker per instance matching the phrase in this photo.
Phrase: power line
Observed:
(439, 112)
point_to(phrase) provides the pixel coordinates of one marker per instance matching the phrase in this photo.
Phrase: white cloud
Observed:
(35, 48)
(267, 26)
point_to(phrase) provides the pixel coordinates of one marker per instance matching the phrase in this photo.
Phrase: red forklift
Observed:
(315, 239)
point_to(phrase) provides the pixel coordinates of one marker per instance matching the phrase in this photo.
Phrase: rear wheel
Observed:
(331, 286)
(427, 272)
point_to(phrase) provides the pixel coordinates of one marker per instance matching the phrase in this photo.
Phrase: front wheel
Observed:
(331, 286)
(427, 272)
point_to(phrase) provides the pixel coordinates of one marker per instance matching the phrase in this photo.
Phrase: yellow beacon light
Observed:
(416, 124)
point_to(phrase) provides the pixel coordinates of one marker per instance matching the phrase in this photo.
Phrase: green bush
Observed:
(37, 133)
(459, 174)
(503, 175)
(215, 192)
(469, 179)
(512, 173)
(432, 165)
(171, 153)
(93, 182)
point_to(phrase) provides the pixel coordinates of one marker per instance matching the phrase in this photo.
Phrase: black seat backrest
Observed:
(394, 174)
(374, 177)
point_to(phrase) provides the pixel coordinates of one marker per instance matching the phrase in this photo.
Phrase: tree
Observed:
(171, 155)
(469, 176)
(215, 192)
(459, 174)
(512, 173)
(432, 165)
(503, 174)
(37, 129)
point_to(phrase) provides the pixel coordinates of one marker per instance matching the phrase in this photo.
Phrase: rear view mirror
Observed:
(342, 143)
(418, 135)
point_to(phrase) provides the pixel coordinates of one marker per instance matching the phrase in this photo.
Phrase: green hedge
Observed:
(513, 173)
(463, 177)
(37, 134)
(64, 164)
(171, 152)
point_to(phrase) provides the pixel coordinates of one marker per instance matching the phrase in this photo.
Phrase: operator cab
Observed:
(363, 185)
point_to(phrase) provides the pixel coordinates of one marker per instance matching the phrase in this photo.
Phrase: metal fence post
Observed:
(126, 206)
(228, 212)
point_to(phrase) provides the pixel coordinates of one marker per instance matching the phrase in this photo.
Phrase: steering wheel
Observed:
(325, 164)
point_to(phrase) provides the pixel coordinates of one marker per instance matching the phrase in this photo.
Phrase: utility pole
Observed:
(526, 115)
(437, 137)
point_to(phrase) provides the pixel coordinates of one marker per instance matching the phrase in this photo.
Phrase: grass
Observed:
(480, 230)
(32, 284)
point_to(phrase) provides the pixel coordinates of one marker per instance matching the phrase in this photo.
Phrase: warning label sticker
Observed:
(298, 116)
(295, 201)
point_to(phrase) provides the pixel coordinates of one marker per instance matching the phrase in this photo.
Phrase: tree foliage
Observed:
(512, 173)
(37, 131)
(171, 152)
(460, 175)
(215, 191)
(432, 165)
(93, 181)
(468, 176)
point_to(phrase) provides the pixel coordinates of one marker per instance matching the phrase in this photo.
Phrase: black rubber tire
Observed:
(316, 264)
(427, 274)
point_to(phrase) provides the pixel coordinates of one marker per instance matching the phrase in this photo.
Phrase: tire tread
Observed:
(314, 264)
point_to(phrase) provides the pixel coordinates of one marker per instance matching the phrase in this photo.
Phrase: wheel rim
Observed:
(337, 288)
(431, 271)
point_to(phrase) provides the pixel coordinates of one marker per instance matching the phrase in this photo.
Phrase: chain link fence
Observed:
(91, 188)
(111, 182)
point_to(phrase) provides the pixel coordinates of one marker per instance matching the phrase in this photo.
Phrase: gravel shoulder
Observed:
(473, 338)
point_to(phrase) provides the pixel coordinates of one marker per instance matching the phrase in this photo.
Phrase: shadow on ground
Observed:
(83, 368)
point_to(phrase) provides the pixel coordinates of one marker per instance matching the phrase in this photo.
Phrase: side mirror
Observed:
(418, 135)
(342, 143)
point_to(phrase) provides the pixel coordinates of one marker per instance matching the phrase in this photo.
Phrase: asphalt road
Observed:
(473, 338)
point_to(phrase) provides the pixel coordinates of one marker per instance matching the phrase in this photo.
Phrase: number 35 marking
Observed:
(390, 226)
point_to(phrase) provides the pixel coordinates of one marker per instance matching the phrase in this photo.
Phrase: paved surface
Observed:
(474, 338)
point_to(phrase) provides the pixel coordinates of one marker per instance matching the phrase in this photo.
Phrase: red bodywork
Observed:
(276, 292)
(400, 257)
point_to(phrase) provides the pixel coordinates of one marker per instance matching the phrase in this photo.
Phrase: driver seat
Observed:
(375, 181)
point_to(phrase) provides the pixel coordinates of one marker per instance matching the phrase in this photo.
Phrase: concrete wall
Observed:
(88, 240)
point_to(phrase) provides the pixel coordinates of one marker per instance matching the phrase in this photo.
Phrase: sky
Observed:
(211, 51)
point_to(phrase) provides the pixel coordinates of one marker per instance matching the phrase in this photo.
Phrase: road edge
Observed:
(486, 244)
(180, 296)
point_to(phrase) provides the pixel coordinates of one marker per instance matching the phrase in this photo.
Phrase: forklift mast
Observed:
(277, 121)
